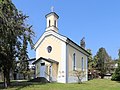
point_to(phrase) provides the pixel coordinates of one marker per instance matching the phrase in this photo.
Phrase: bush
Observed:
(116, 75)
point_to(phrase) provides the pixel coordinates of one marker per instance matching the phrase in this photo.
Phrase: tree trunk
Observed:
(79, 80)
(102, 76)
(24, 76)
(5, 83)
(6, 78)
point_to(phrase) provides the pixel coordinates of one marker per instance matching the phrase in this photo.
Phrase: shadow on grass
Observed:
(118, 81)
(20, 84)
(76, 83)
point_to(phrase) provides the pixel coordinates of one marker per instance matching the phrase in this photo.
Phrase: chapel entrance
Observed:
(42, 70)
(47, 68)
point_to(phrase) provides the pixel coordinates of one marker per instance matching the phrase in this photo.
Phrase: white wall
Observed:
(78, 56)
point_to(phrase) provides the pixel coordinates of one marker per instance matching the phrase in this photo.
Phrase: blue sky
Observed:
(96, 20)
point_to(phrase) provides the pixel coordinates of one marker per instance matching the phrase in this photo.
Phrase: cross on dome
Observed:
(52, 9)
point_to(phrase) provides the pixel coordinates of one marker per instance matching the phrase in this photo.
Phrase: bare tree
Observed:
(79, 74)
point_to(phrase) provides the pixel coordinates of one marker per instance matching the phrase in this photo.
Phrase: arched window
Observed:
(49, 23)
(55, 23)
(82, 63)
(74, 60)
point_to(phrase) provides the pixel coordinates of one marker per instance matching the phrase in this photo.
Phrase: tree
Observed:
(12, 32)
(90, 59)
(23, 59)
(92, 73)
(102, 60)
(79, 74)
(116, 75)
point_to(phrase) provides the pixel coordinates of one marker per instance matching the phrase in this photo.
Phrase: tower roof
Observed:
(52, 13)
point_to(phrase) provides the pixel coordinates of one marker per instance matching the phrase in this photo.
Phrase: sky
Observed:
(96, 20)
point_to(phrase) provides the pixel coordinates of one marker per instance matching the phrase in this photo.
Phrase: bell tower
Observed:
(52, 21)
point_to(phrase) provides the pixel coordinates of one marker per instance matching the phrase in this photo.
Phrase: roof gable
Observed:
(49, 33)
(45, 59)
(60, 37)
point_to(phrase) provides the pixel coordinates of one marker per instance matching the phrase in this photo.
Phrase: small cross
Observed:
(52, 9)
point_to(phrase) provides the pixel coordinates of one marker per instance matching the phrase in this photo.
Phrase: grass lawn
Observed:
(97, 84)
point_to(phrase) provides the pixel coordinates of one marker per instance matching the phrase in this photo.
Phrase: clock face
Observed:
(49, 49)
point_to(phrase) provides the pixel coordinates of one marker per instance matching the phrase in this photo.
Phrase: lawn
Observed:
(97, 84)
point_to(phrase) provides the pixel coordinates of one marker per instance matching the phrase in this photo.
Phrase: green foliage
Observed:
(23, 58)
(13, 30)
(90, 60)
(102, 60)
(116, 75)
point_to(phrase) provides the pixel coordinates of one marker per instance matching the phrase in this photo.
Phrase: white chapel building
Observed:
(57, 55)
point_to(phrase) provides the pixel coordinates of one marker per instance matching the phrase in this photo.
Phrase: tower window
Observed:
(49, 23)
(55, 23)
(74, 59)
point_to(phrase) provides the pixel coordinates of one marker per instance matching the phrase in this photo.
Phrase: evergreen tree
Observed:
(116, 75)
(90, 60)
(23, 59)
(102, 60)
(90, 65)
(12, 32)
